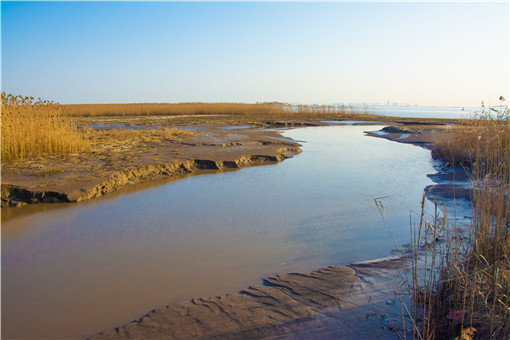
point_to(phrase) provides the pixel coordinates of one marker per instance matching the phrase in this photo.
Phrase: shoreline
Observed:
(284, 304)
(332, 301)
(79, 177)
(346, 301)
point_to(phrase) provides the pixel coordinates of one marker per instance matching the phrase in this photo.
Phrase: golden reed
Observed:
(33, 128)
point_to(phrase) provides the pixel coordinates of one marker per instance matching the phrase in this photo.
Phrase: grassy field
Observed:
(211, 114)
(474, 142)
(466, 294)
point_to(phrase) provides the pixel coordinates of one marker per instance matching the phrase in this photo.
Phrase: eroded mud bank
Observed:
(88, 175)
(119, 164)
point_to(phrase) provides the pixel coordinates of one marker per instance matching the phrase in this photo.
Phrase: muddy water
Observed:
(74, 270)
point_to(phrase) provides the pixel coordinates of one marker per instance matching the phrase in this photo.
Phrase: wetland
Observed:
(73, 270)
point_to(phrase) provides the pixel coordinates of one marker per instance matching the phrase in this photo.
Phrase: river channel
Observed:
(72, 270)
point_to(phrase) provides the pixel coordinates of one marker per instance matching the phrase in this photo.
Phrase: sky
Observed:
(420, 53)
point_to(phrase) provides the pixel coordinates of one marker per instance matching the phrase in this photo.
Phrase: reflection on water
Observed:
(425, 111)
(74, 270)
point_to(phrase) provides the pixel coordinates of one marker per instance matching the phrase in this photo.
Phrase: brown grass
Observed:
(33, 128)
(478, 140)
(170, 109)
(466, 291)
(119, 138)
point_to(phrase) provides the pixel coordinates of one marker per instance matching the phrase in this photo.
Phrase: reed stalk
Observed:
(463, 291)
(176, 109)
(33, 128)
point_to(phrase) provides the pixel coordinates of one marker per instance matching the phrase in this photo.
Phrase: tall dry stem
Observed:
(172, 109)
(466, 293)
(33, 128)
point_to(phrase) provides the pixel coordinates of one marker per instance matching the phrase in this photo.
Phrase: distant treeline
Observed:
(167, 109)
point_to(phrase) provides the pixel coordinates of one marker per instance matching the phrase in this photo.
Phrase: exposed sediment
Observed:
(13, 194)
(421, 134)
(86, 176)
(114, 166)
(339, 302)
(343, 301)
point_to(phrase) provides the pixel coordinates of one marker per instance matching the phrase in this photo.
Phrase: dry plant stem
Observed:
(171, 109)
(33, 128)
(467, 292)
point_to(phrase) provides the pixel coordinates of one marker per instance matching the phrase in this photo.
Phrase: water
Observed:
(75, 269)
(424, 111)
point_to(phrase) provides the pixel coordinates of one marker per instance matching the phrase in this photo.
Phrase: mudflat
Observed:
(119, 158)
(339, 302)
(128, 150)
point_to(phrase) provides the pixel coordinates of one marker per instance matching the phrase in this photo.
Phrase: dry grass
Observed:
(465, 294)
(120, 138)
(475, 141)
(176, 109)
(33, 128)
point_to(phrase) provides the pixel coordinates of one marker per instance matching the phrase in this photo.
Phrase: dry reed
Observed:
(169, 109)
(465, 292)
(33, 128)
(477, 140)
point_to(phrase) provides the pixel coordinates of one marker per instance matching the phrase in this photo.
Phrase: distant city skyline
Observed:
(420, 53)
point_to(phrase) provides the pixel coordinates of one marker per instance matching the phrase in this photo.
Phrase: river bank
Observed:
(314, 163)
(341, 302)
(124, 158)
(116, 164)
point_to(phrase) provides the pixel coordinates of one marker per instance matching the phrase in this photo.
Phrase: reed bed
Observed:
(477, 140)
(176, 109)
(33, 128)
(464, 290)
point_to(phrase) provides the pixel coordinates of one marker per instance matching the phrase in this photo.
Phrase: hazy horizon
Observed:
(416, 53)
(394, 104)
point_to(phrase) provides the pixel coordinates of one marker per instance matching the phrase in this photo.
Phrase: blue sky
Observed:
(425, 53)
